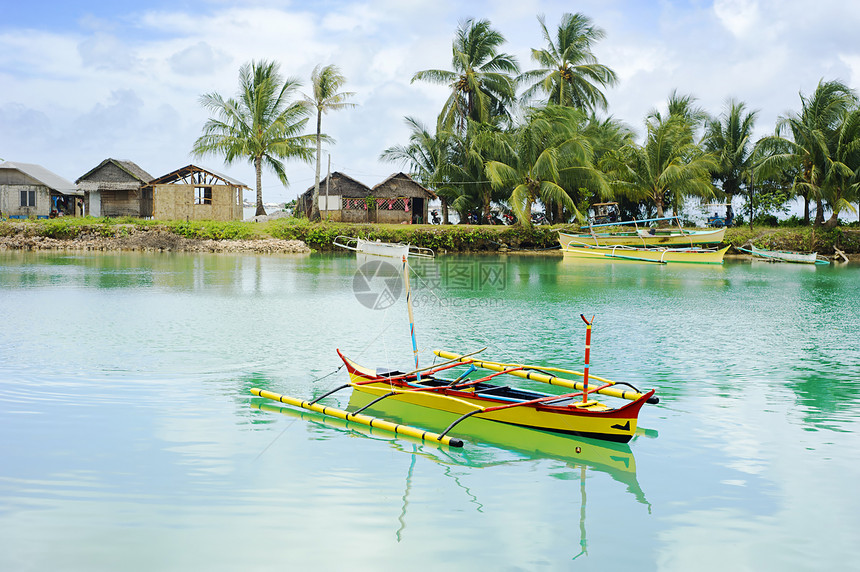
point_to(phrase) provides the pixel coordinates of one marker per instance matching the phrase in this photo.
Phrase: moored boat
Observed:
(629, 233)
(650, 255)
(558, 413)
(377, 248)
(783, 255)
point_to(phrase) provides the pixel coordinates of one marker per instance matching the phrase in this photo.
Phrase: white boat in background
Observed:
(784, 255)
(377, 248)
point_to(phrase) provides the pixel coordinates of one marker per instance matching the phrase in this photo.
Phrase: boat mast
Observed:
(411, 318)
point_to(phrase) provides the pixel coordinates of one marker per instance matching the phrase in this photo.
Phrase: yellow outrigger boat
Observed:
(630, 233)
(566, 413)
(575, 412)
(653, 255)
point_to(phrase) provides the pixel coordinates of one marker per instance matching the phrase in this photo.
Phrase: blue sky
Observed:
(83, 81)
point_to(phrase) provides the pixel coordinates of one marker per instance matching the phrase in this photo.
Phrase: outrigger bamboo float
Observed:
(575, 412)
(651, 255)
(644, 236)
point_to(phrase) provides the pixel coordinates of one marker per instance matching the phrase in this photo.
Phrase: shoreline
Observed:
(298, 236)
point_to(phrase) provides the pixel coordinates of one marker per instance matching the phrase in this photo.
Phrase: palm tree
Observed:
(813, 135)
(569, 73)
(261, 125)
(729, 138)
(666, 169)
(481, 80)
(326, 82)
(545, 154)
(842, 180)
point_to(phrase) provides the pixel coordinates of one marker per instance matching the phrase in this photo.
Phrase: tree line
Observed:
(536, 139)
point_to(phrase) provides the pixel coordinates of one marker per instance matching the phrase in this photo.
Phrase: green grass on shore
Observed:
(450, 238)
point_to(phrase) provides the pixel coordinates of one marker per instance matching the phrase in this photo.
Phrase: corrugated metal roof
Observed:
(44, 176)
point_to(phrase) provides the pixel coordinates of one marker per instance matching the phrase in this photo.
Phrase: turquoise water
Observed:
(130, 440)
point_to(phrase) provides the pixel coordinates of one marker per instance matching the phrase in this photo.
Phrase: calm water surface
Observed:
(129, 440)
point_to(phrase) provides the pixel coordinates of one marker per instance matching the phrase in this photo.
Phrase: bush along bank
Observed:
(135, 234)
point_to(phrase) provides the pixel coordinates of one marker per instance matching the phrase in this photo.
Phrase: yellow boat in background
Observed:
(650, 255)
(632, 233)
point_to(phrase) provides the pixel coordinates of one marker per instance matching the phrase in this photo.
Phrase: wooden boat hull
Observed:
(598, 421)
(617, 254)
(785, 255)
(670, 238)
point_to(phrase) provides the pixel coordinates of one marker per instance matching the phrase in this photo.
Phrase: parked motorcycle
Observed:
(434, 217)
(538, 218)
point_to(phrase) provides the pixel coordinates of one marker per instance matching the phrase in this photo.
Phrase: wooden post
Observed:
(327, 181)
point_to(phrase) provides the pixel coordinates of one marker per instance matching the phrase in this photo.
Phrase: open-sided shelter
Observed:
(32, 191)
(195, 193)
(117, 188)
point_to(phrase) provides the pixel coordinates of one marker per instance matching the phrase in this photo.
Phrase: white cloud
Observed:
(738, 16)
(199, 59)
(106, 52)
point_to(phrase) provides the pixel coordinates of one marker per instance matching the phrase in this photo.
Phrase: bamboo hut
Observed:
(117, 188)
(401, 200)
(195, 193)
(396, 200)
(32, 191)
(335, 190)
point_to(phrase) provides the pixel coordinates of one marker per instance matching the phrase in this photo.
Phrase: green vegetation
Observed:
(441, 238)
(687, 158)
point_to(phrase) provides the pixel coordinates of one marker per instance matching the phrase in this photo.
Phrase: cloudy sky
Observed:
(86, 80)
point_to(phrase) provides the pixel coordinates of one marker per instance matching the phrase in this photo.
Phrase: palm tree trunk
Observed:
(805, 209)
(258, 168)
(659, 203)
(819, 212)
(832, 221)
(315, 208)
(444, 211)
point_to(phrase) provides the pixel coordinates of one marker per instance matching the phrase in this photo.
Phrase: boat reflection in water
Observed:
(613, 459)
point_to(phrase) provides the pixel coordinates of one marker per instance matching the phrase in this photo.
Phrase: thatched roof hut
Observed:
(117, 188)
(335, 187)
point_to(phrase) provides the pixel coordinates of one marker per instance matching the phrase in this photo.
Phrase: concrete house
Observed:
(117, 188)
(32, 191)
(195, 193)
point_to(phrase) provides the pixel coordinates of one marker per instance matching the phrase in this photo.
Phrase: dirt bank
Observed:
(150, 240)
